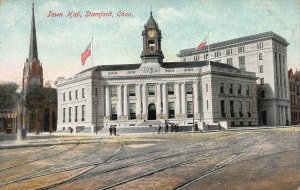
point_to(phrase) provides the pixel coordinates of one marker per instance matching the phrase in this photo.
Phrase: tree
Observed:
(35, 102)
(9, 98)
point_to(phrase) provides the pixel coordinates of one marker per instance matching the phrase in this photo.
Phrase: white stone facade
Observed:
(119, 90)
(266, 55)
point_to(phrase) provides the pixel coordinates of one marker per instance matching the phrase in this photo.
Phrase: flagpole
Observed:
(92, 52)
(208, 48)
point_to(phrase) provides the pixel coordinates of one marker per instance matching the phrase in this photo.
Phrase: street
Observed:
(242, 159)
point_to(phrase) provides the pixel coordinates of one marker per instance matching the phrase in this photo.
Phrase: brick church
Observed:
(33, 77)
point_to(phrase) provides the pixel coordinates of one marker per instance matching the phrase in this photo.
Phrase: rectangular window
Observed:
(76, 94)
(262, 81)
(131, 90)
(240, 89)
(261, 69)
(132, 109)
(241, 49)
(113, 91)
(76, 113)
(114, 115)
(96, 92)
(64, 115)
(222, 88)
(229, 61)
(241, 108)
(231, 89)
(206, 87)
(189, 88)
(249, 108)
(218, 53)
(207, 104)
(70, 114)
(232, 108)
(64, 96)
(260, 56)
(260, 45)
(170, 89)
(82, 93)
(242, 62)
(247, 90)
(223, 108)
(190, 109)
(70, 95)
(205, 56)
(171, 110)
(151, 89)
(82, 112)
(229, 51)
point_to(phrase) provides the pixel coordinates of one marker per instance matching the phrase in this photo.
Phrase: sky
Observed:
(118, 40)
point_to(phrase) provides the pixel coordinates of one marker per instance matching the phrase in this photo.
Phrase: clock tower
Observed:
(151, 42)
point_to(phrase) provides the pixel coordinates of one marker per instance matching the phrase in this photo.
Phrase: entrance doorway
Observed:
(264, 117)
(46, 119)
(151, 112)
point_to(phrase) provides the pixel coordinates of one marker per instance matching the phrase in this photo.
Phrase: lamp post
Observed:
(193, 109)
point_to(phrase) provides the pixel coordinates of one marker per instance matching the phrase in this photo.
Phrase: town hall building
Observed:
(129, 95)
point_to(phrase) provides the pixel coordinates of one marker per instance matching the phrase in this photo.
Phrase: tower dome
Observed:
(151, 23)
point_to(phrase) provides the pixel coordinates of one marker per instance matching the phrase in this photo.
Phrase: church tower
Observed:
(33, 69)
(151, 42)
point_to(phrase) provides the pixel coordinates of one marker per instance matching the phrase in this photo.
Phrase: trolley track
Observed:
(45, 157)
(179, 153)
(42, 172)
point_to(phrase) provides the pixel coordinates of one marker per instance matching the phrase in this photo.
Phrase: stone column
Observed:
(164, 98)
(125, 100)
(120, 110)
(144, 97)
(107, 102)
(183, 98)
(177, 101)
(158, 99)
(196, 101)
(138, 100)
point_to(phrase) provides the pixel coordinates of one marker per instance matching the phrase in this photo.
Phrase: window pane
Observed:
(131, 90)
(171, 110)
(189, 109)
(189, 88)
(113, 91)
(170, 89)
(151, 89)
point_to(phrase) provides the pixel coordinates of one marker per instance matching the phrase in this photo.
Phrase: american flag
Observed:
(87, 52)
(203, 43)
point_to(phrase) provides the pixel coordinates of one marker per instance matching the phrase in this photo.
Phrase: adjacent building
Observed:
(128, 95)
(294, 81)
(264, 54)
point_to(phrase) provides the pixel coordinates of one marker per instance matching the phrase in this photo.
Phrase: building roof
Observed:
(167, 65)
(235, 41)
(151, 23)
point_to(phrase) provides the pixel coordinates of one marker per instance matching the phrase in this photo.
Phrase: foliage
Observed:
(8, 96)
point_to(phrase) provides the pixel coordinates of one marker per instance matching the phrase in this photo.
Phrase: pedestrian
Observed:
(115, 130)
(110, 130)
(176, 127)
(71, 130)
(167, 128)
(159, 128)
(196, 126)
(172, 127)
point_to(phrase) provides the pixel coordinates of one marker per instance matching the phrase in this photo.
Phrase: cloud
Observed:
(169, 14)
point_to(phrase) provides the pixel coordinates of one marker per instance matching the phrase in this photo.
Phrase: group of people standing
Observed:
(113, 130)
(174, 127)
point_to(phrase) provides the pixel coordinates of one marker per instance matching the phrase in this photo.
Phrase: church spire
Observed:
(33, 52)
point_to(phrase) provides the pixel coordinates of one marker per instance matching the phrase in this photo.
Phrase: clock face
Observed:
(151, 33)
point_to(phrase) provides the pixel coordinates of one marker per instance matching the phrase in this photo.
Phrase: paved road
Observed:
(258, 159)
